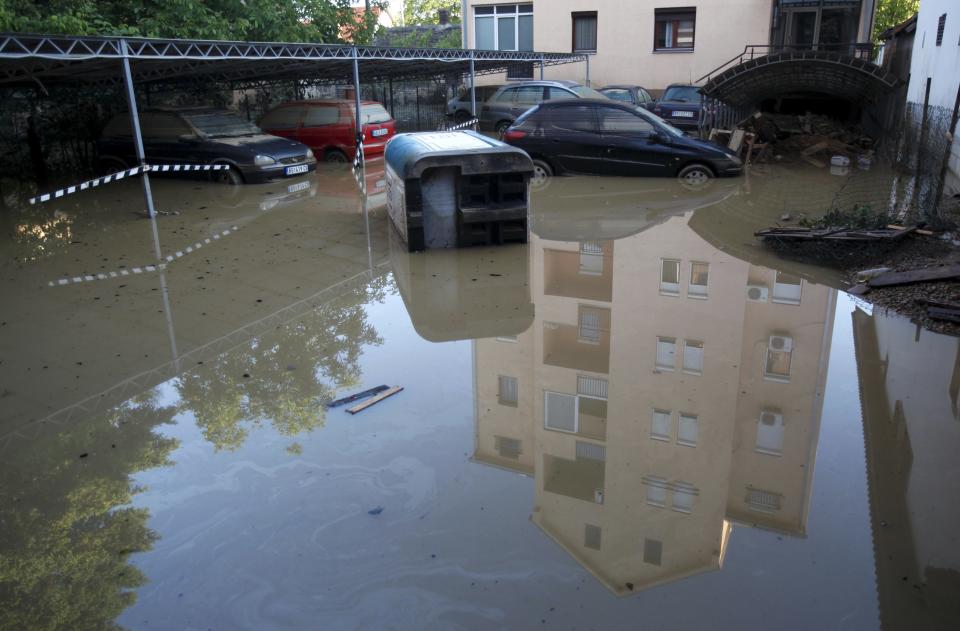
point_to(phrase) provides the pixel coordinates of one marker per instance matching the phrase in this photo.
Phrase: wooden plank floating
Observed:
(377, 399)
(834, 234)
(357, 396)
(944, 272)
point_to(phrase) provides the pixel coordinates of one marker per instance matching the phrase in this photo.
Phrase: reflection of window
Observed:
(508, 447)
(674, 28)
(669, 276)
(529, 95)
(504, 27)
(589, 330)
(779, 356)
(660, 426)
(652, 551)
(592, 387)
(941, 25)
(560, 412)
(787, 289)
(763, 501)
(699, 273)
(693, 356)
(666, 353)
(683, 497)
(559, 94)
(656, 490)
(591, 536)
(617, 121)
(770, 433)
(322, 115)
(507, 394)
(283, 118)
(688, 430)
(584, 32)
(591, 258)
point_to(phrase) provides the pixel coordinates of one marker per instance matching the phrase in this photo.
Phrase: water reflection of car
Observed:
(203, 135)
(680, 105)
(460, 109)
(509, 102)
(604, 137)
(629, 94)
(328, 127)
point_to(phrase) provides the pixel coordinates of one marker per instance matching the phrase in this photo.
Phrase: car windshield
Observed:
(617, 94)
(682, 94)
(587, 93)
(657, 121)
(222, 125)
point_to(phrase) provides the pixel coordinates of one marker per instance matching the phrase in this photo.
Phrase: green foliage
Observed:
(426, 12)
(248, 20)
(892, 12)
(860, 217)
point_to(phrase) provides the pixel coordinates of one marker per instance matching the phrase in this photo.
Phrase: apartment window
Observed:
(661, 427)
(683, 495)
(941, 24)
(674, 29)
(591, 258)
(656, 490)
(592, 536)
(652, 551)
(504, 27)
(589, 328)
(560, 412)
(763, 501)
(584, 32)
(670, 277)
(693, 356)
(787, 289)
(508, 447)
(666, 353)
(688, 430)
(770, 433)
(699, 274)
(507, 394)
(779, 357)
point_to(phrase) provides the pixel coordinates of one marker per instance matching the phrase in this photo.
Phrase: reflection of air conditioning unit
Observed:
(757, 293)
(770, 418)
(781, 343)
(598, 496)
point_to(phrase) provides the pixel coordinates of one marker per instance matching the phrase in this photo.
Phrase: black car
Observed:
(629, 94)
(680, 105)
(603, 137)
(204, 136)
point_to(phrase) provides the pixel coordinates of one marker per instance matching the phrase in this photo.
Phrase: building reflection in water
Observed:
(664, 392)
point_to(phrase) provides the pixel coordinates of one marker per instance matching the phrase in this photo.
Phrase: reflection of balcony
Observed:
(580, 479)
(585, 346)
(592, 418)
(587, 274)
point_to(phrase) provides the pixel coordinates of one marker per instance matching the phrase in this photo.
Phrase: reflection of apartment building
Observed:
(664, 391)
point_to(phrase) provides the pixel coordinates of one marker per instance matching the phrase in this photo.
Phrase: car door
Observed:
(283, 121)
(527, 97)
(318, 127)
(572, 137)
(168, 139)
(631, 145)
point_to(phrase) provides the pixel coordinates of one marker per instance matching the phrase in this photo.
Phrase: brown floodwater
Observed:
(639, 419)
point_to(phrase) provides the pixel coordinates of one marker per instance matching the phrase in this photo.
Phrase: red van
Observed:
(327, 126)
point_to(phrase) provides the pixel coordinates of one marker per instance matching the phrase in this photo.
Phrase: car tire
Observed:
(335, 156)
(695, 175)
(542, 172)
(230, 175)
(501, 128)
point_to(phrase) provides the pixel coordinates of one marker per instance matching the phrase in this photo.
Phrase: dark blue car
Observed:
(604, 137)
(680, 106)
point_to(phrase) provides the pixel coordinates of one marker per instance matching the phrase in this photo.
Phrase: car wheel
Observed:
(542, 172)
(502, 128)
(230, 176)
(695, 175)
(335, 156)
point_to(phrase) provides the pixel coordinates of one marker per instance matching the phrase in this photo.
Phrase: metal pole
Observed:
(473, 87)
(135, 126)
(356, 101)
(541, 67)
(587, 57)
(463, 24)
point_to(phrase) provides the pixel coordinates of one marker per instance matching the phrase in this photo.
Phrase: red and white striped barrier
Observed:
(120, 175)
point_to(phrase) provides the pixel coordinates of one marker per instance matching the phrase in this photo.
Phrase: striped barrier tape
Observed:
(470, 123)
(120, 175)
(358, 157)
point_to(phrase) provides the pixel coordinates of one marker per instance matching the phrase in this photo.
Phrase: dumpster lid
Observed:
(409, 155)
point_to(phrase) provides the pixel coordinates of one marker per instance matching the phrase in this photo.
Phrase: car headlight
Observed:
(263, 161)
(310, 155)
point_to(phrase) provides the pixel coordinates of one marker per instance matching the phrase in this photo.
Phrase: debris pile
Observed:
(814, 138)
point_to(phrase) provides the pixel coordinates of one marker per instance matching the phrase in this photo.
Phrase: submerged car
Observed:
(680, 105)
(604, 137)
(329, 126)
(510, 101)
(203, 135)
(630, 94)
(459, 108)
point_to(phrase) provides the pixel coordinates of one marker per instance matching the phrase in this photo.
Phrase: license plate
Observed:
(299, 186)
(300, 168)
(376, 133)
(682, 114)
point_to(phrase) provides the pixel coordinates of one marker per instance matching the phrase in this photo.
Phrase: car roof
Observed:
(682, 85)
(187, 110)
(576, 102)
(562, 83)
(621, 86)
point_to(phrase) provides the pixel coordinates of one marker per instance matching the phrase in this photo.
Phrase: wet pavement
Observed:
(641, 415)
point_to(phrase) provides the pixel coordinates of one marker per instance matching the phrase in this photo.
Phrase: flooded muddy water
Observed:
(641, 418)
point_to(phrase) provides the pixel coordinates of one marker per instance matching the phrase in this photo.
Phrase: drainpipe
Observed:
(588, 70)
(541, 67)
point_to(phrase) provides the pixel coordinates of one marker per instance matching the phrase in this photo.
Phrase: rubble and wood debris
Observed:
(842, 233)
